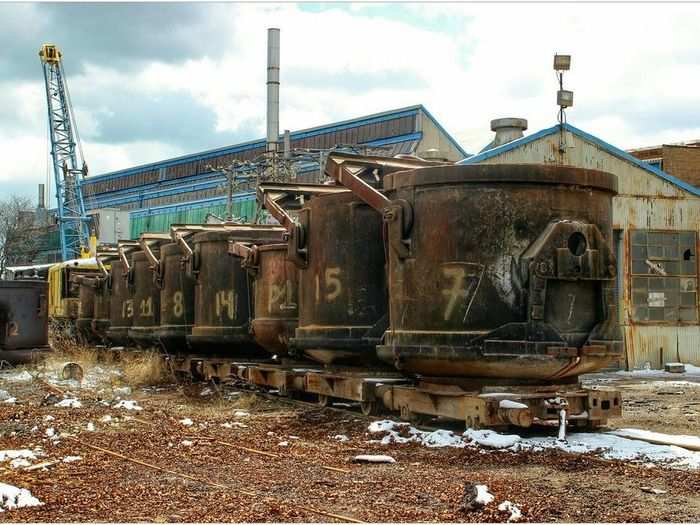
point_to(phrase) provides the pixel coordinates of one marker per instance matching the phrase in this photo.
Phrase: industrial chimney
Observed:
(273, 89)
(42, 199)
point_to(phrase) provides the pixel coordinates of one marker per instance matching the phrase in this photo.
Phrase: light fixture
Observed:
(565, 99)
(562, 62)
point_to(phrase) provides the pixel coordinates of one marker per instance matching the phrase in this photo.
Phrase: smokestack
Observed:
(287, 144)
(42, 200)
(507, 130)
(273, 89)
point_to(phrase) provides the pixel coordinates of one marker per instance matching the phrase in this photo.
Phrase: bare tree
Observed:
(19, 237)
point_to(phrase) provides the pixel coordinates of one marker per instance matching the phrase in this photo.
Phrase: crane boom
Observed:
(72, 220)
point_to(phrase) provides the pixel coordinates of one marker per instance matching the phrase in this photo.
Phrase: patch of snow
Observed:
(690, 442)
(122, 391)
(49, 418)
(21, 377)
(508, 403)
(610, 446)
(342, 438)
(50, 432)
(187, 422)
(240, 413)
(650, 372)
(373, 458)
(283, 444)
(186, 442)
(10, 400)
(90, 426)
(106, 419)
(483, 496)
(4, 394)
(127, 404)
(71, 459)
(270, 433)
(294, 437)
(435, 439)
(34, 429)
(227, 425)
(239, 425)
(12, 497)
(515, 513)
(19, 463)
(206, 392)
(70, 402)
(491, 439)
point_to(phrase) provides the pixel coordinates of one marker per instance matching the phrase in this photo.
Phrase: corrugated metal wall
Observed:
(160, 221)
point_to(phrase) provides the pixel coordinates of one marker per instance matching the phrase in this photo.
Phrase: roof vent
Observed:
(434, 154)
(507, 130)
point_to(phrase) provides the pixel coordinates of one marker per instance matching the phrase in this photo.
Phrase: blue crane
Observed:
(68, 172)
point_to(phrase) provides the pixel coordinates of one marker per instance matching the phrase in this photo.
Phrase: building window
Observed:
(664, 276)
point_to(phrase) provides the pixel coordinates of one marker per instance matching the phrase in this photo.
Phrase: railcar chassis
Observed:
(478, 405)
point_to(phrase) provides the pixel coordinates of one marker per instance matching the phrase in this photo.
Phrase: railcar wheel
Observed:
(370, 407)
(324, 400)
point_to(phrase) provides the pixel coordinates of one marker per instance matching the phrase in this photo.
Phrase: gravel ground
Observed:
(203, 475)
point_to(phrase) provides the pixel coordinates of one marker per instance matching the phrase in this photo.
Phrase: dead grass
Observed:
(145, 368)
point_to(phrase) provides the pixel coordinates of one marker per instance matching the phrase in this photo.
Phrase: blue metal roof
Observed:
(617, 152)
(259, 143)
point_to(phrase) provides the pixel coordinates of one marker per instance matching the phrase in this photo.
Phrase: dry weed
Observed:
(145, 368)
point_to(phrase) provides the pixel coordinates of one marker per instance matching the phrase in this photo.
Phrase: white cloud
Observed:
(634, 74)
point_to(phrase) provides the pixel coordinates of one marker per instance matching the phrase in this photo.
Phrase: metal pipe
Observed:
(287, 145)
(273, 89)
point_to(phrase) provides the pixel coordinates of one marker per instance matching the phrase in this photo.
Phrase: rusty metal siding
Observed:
(582, 154)
(659, 344)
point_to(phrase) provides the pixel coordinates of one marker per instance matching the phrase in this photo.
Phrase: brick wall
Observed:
(683, 162)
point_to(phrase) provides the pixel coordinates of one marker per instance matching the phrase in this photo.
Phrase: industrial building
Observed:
(682, 160)
(185, 189)
(656, 219)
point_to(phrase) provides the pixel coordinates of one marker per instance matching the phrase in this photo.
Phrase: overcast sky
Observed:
(152, 81)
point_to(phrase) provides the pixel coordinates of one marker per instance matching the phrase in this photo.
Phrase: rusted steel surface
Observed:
(508, 272)
(176, 299)
(121, 304)
(275, 283)
(86, 307)
(146, 300)
(24, 320)
(223, 299)
(100, 321)
(342, 282)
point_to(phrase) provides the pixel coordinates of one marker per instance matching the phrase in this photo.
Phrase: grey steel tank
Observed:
(100, 321)
(342, 281)
(86, 308)
(146, 301)
(500, 272)
(121, 303)
(275, 283)
(176, 299)
(24, 320)
(223, 299)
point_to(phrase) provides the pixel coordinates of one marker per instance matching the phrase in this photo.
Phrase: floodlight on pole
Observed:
(565, 98)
